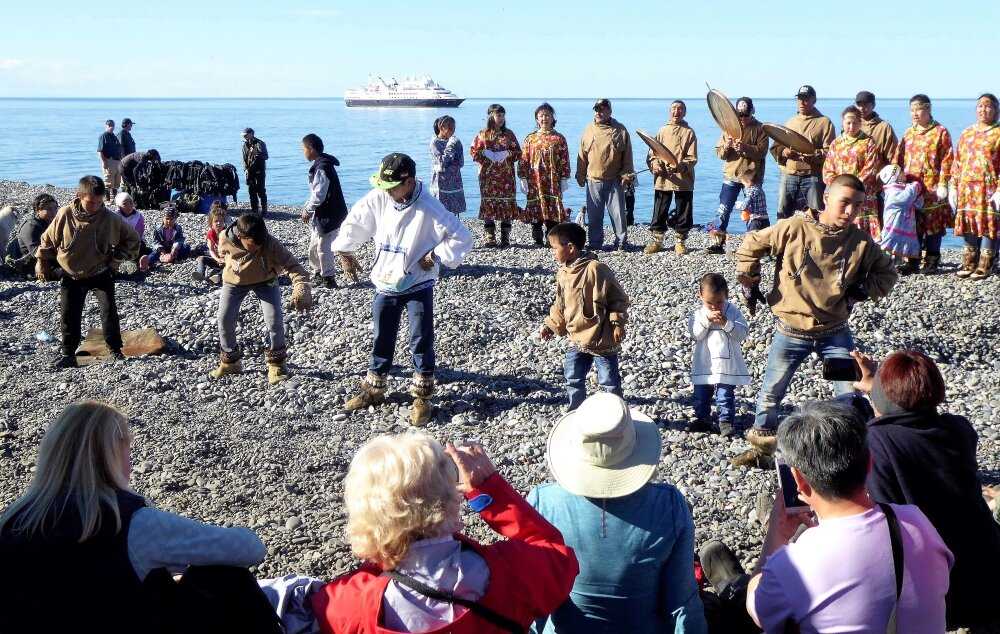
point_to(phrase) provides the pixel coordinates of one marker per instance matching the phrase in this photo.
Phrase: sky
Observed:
(508, 48)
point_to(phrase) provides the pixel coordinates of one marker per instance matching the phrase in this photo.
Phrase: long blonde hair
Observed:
(79, 466)
(400, 489)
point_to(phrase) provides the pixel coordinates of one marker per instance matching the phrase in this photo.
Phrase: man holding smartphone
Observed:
(824, 264)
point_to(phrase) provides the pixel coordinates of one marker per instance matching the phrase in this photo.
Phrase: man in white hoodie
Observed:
(414, 235)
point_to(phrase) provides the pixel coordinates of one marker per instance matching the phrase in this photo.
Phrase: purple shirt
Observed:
(839, 577)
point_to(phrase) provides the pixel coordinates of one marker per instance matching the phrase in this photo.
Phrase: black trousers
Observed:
(681, 219)
(72, 299)
(209, 599)
(256, 189)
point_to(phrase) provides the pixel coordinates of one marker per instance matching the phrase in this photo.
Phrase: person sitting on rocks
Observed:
(131, 215)
(169, 243)
(927, 458)
(212, 259)
(591, 308)
(253, 261)
(863, 565)
(634, 537)
(89, 242)
(718, 329)
(24, 240)
(80, 522)
(414, 235)
(420, 573)
(824, 265)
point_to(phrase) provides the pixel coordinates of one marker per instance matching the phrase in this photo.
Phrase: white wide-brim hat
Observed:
(603, 450)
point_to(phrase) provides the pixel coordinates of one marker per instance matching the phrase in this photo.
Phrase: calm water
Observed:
(54, 140)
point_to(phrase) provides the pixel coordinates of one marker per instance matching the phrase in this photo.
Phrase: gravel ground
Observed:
(237, 452)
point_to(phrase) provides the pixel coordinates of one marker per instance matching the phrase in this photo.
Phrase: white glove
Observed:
(953, 197)
(563, 185)
(524, 185)
(502, 156)
(942, 192)
(995, 199)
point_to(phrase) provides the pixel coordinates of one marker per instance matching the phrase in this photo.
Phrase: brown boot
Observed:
(371, 392)
(679, 246)
(226, 368)
(718, 246)
(986, 258)
(655, 244)
(765, 441)
(491, 237)
(931, 263)
(969, 262)
(422, 389)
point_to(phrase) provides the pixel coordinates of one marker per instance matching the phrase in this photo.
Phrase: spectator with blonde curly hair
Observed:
(421, 574)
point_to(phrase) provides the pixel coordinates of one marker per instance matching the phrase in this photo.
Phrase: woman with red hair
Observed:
(924, 457)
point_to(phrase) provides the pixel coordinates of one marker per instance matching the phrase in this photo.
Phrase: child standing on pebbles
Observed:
(591, 308)
(718, 328)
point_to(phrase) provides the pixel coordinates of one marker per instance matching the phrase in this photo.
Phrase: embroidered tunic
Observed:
(925, 154)
(544, 164)
(447, 159)
(974, 175)
(859, 156)
(496, 179)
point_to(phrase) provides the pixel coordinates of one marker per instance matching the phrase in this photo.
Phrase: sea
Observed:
(54, 141)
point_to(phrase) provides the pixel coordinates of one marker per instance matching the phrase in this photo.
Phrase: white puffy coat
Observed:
(718, 358)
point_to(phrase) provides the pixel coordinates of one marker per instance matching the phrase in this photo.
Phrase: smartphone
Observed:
(789, 491)
(841, 369)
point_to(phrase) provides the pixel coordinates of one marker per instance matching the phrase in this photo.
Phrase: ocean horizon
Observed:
(53, 140)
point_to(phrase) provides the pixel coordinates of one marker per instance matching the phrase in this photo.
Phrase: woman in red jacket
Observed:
(403, 495)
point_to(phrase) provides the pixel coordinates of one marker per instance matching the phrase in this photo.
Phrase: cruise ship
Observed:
(421, 92)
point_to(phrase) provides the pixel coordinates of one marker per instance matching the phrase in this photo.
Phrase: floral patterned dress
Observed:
(974, 175)
(544, 164)
(859, 156)
(447, 159)
(925, 154)
(497, 190)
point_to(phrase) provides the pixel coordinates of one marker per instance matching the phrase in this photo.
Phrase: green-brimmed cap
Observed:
(395, 169)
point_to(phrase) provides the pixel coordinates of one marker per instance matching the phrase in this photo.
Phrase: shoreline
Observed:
(237, 452)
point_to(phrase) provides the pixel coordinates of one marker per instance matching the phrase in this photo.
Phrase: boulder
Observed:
(135, 343)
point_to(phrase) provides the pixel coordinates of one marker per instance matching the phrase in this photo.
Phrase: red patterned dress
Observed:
(544, 164)
(859, 156)
(925, 154)
(974, 175)
(497, 189)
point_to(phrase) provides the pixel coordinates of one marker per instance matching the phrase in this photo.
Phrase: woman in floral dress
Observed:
(974, 193)
(544, 174)
(447, 159)
(496, 150)
(925, 154)
(854, 152)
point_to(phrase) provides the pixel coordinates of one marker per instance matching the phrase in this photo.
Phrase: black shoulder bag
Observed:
(896, 540)
(481, 610)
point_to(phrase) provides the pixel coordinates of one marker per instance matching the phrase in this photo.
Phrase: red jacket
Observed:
(531, 574)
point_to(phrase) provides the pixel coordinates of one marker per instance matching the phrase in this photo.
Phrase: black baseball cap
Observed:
(602, 103)
(806, 91)
(864, 97)
(744, 106)
(109, 122)
(395, 169)
(247, 130)
(127, 121)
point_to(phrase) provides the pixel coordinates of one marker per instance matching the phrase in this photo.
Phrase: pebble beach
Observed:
(237, 452)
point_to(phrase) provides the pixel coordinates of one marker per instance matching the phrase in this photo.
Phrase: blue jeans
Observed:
(979, 242)
(577, 366)
(601, 194)
(727, 198)
(798, 192)
(725, 401)
(387, 310)
(786, 355)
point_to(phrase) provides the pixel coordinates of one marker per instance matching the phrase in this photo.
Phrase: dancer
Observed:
(801, 175)
(975, 193)
(854, 152)
(604, 166)
(414, 235)
(673, 183)
(544, 174)
(447, 161)
(325, 210)
(496, 150)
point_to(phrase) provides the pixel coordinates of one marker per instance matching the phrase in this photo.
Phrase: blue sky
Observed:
(510, 48)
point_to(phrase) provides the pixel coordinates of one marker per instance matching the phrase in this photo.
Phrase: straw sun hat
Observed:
(602, 450)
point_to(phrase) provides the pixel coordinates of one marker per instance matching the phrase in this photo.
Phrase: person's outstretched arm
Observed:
(456, 240)
(358, 227)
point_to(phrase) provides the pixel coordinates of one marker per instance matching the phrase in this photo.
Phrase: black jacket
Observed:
(332, 210)
(929, 460)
